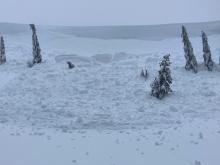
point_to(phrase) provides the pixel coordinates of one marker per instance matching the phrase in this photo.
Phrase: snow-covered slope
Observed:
(105, 92)
(144, 32)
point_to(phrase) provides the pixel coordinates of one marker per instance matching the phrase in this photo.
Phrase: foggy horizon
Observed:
(109, 13)
(169, 23)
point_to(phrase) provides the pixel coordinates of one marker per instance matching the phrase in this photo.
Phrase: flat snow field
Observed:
(101, 112)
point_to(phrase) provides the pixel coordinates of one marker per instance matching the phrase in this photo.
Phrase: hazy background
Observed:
(108, 12)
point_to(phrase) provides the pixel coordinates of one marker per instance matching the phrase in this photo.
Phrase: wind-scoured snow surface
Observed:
(103, 101)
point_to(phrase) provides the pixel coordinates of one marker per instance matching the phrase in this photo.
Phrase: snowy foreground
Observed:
(101, 112)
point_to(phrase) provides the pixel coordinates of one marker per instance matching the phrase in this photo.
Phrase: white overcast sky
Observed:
(108, 12)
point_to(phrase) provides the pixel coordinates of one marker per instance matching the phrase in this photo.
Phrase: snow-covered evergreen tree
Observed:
(161, 85)
(37, 58)
(2, 51)
(191, 62)
(206, 52)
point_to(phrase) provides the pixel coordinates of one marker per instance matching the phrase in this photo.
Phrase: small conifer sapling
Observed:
(161, 84)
